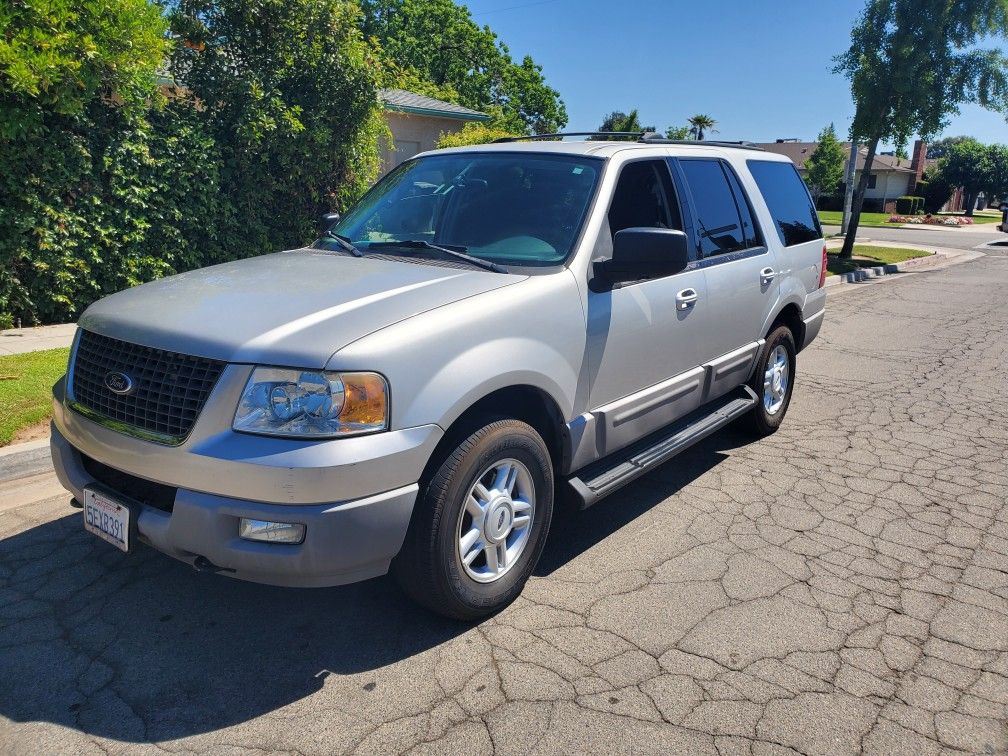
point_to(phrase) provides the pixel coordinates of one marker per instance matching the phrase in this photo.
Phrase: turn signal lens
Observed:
(822, 270)
(366, 399)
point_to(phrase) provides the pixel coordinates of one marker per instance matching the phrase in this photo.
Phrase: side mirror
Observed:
(644, 253)
(327, 221)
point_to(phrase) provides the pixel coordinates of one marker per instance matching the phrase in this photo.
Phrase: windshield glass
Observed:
(511, 209)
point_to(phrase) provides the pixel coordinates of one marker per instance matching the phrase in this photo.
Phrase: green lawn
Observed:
(834, 217)
(26, 388)
(868, 256)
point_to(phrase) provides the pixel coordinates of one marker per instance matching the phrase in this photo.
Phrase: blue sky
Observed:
(761, 68)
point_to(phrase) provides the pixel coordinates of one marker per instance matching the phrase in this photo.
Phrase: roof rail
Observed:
(700, 143)
(643, 137)
(638, 135)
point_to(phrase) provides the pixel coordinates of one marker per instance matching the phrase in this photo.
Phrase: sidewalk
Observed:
(21, 340)
(941, 257)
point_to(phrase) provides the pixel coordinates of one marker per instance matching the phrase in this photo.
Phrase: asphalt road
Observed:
(840, 587)
(966, 237)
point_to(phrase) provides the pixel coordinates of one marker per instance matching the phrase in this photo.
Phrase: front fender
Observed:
(441, 362)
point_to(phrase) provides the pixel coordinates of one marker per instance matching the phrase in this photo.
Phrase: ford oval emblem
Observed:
(118, 383)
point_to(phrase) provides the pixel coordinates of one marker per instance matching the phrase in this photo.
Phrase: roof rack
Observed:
(538, 137)
(643, 137)
(701, 143)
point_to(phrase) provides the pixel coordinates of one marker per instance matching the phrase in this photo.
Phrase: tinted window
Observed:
(719, 225)
(749, 230)
(644, 197)
(788, 200)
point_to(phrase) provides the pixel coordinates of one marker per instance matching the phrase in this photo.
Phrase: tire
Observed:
(430, 567)
(768, 414)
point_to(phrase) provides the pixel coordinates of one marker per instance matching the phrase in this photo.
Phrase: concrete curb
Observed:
(941, 258)
(22, 460)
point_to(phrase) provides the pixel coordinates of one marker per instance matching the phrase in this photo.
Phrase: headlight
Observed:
(284, 402)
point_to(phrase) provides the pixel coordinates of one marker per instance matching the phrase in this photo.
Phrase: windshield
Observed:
(511, 209)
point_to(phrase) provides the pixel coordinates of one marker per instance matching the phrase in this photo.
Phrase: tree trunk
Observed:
(971, 198)
(848, 243)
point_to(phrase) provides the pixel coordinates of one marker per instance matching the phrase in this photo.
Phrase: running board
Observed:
(611, 473)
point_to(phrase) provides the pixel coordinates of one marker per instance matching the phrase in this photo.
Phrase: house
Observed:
(890, 176)
(416, 122)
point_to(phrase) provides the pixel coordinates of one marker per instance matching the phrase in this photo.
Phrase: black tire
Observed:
(760, 421)
(428, 567)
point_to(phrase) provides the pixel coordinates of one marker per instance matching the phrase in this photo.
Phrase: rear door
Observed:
(740, 271)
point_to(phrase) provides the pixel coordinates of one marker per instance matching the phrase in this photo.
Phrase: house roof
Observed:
(799, 152)
(401, 101)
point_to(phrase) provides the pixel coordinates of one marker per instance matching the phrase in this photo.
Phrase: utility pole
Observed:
(849, 187)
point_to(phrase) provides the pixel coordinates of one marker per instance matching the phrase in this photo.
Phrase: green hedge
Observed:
(271, 118)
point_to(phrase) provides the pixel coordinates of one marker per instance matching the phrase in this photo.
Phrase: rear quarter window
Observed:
(788, 199)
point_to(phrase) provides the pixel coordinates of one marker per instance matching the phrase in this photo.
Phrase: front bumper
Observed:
(355, 495)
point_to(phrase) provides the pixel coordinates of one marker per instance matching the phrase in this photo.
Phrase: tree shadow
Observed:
(142, 648)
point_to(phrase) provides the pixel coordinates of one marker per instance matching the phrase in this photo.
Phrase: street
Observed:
(839, 587)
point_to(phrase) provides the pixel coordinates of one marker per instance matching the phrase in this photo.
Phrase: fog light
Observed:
(272, 532)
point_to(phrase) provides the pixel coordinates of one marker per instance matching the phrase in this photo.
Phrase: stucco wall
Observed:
(413, 134)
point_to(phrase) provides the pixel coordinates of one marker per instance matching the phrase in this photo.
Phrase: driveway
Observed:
(840, 587)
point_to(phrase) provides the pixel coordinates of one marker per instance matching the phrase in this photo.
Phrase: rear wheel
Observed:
(773, 381)
(480, 524)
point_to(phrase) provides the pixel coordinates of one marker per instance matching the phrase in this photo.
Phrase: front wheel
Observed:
(773, 381)
(480, 524)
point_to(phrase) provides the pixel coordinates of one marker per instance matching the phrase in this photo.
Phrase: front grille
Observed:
(168, 392)
(147, 492)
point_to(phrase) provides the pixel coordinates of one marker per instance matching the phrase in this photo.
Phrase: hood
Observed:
(292, 308)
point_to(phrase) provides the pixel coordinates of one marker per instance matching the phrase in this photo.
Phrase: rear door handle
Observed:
(766, 275)
(685, 299)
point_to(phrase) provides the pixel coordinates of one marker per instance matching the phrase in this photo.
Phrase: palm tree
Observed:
(701, 123)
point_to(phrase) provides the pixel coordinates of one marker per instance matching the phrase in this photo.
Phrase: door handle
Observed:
(685, 299)
(766, 275)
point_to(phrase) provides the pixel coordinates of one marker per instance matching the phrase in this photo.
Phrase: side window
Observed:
(749, 229)
(720, 224)
(788, 200)
(644, 196)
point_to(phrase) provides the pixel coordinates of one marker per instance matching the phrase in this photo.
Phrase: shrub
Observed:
(905, 205)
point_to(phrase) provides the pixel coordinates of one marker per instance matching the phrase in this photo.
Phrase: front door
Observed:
(643, 344)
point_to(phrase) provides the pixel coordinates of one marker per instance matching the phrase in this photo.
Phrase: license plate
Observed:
(107, 518)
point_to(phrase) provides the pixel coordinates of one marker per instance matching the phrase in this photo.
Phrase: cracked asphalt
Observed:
(840, 587)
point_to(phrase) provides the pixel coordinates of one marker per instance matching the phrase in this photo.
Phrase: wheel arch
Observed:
(789, 315)
(526, 402)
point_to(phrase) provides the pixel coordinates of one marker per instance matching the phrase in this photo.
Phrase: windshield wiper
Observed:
(459, 253)
(345, 244)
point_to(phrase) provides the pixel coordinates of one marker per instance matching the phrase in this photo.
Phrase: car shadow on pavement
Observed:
(142, 648)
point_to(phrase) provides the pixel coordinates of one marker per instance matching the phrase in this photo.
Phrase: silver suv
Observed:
(487, 330)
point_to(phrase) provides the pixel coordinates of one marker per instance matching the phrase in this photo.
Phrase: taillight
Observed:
(822, 270)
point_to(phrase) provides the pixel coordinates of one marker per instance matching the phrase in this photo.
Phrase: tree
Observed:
(939, 148)
(290, 96)
(825, 167)
(966, 164)
(438, 41)
(911, 63)
(474, 133)
(620, 121)
(935, 188)
(677, 132)
(701, 123)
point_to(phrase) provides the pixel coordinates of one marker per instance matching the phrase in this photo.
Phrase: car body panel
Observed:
(292, 308)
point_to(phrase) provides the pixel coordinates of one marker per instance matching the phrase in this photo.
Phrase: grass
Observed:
(868, 256)
(26, 389)
(833, 218)
(880, 220)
